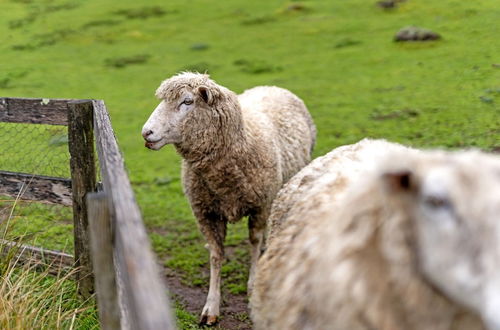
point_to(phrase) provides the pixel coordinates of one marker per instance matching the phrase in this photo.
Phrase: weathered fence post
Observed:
(101, 243)
(83, 176)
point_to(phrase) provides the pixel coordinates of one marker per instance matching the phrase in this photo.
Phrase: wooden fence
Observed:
(112, 248)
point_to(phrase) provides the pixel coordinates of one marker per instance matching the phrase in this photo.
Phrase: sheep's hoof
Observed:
(208, 320)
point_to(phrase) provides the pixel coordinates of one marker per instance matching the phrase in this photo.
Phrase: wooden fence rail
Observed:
(36, 187)
(57, 262)
(111, 243)
(34, 111)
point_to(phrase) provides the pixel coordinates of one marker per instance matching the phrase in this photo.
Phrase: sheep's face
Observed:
(456, 212)
(165, 125)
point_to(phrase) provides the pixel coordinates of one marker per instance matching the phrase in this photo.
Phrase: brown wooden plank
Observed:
(145, 292)
(122, 298)
(35, 111)
(36, 187)
(83, 176)
(39, 258)
(101, 244)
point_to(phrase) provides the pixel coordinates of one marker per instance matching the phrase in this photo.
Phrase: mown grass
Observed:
(337, 55)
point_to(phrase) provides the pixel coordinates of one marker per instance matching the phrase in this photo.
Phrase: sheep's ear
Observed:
(401, 181)
(205, 94)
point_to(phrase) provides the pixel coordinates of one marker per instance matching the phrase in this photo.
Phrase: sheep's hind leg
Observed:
(214, 231)
(256, 231)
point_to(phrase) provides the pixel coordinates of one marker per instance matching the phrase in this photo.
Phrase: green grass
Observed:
(338, 56)
(36, 297)
(48, 226)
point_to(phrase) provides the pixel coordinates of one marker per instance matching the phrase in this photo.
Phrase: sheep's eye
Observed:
(436, 202)
(188, 101)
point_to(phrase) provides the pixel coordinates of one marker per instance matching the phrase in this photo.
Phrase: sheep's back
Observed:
(325, 268)
(284, 121)
(330, 174)
(300, 213)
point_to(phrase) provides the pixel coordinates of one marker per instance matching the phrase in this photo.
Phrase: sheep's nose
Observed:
(147, 133)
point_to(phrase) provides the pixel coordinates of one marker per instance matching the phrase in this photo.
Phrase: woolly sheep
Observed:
(237, 150)
(379, 236)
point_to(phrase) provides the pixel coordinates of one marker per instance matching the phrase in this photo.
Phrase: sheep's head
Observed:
(185, 98)
(454, 202)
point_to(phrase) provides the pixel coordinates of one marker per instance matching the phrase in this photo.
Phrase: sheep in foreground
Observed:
(237, 150)
(410, 243)
(337, 169)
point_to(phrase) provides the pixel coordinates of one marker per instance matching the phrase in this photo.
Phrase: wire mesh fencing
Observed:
(35, 149)
(37, 156)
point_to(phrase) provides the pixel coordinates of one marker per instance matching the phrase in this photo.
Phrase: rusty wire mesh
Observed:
(40, 150)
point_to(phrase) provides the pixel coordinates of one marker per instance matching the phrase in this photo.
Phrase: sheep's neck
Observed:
(223, 138)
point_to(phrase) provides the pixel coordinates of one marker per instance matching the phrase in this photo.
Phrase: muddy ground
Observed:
(234, 308)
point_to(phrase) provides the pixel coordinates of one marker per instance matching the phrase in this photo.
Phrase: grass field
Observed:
(338, 56)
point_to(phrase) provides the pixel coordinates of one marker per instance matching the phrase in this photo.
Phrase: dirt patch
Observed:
(496, 149)
(234, 308)
(389, 4)
(256, 66)
(141, 13)
(397, 114)
(121, 62)
(413, 33)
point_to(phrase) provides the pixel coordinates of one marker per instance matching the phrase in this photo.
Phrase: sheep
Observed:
(379, 236)
(347, 160)
(237, 150)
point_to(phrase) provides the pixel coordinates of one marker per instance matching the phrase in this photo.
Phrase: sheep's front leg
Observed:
(256, 231)
(214, 231)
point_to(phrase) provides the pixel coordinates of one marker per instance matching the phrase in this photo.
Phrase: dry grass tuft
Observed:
(34, 299)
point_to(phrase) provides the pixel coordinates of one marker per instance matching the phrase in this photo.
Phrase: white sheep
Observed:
(379, 236)
(237, 150)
